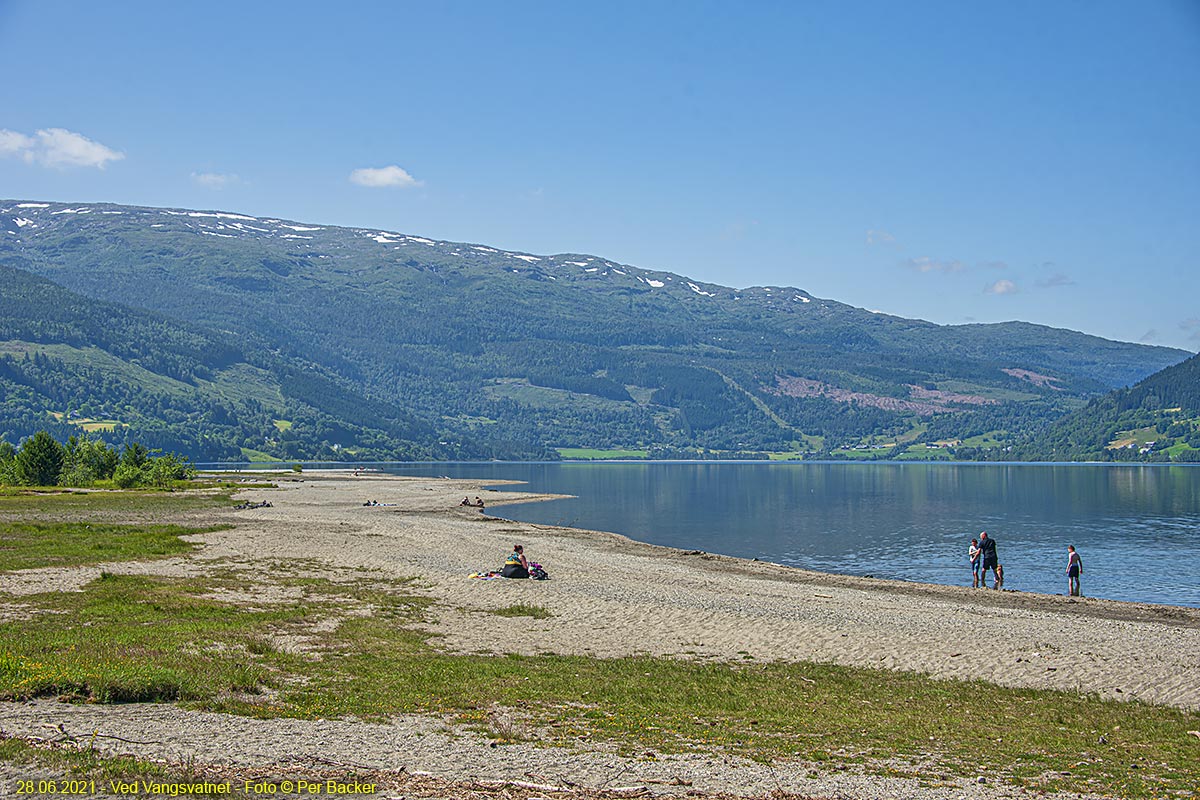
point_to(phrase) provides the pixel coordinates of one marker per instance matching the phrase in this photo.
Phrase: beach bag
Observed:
(537, 572)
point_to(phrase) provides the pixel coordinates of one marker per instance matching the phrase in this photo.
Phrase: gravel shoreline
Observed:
(682, 604)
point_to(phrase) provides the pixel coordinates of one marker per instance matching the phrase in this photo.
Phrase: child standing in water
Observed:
(1074, 570)
(973, 553)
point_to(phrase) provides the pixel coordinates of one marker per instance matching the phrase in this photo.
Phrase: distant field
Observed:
(258, 456)
(592, 454)
(1136, 438)
(921, 452)
(93, 425)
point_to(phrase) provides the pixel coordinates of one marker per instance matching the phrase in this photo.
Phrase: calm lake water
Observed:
(1136, 527)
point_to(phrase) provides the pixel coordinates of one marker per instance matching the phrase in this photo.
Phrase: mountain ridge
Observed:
(558, 350)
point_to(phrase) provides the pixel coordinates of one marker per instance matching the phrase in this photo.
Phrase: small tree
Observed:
(126, 477)
(39, 461)
(87, 461)
(166, 469)
(8, 455)
(135, 456)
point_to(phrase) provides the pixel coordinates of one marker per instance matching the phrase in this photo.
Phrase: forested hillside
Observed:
(69, 363)
(1157, 420)
(303, 340)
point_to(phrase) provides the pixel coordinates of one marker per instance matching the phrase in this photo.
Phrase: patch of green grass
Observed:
(595, 454)
(1179, 447)
(93, 425)
(258, 456)
(84, 763)
(103, 775)
(922, 452)
(282, 425)
(131, 639)
(523, 610)
(138, 638)
(995, 438)
(56, 504)
(24, 545)
(856, 453)
(1136, 438)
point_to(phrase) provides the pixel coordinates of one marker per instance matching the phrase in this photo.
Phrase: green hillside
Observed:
(70, 363)
(447, 347)
(1158, 419)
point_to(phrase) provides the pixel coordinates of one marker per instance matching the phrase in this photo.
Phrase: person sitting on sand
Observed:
(973, 553)
(478, 501)
(466, 501)
(516, 566)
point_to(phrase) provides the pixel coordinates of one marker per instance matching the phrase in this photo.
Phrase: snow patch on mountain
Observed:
(220, 216)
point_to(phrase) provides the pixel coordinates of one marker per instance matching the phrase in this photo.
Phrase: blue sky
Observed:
(956, 162)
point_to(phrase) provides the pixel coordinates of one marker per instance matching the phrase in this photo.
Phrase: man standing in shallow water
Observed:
(987, 548)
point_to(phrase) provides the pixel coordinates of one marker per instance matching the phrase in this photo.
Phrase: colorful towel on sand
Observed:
(484, 576)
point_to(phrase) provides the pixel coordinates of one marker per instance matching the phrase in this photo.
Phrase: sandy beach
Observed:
(609, 597)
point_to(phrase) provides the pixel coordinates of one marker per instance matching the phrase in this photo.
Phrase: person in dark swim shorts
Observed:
(987, 552)
(1074, 570)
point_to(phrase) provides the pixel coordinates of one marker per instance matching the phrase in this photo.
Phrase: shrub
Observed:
(39, 461)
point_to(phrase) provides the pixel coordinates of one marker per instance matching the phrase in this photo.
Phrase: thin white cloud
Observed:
(1149, 336)
(215, 180)
(380, 177)
(15, 144)
(926, 264)
(1192, 324)
(880, 237)
(1004, 286)
(58, 148)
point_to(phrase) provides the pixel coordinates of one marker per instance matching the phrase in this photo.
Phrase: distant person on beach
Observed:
(466, 501)
(973, 553)
(478, 501)
(516, 566)
(1074, 570)
(987, 550)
